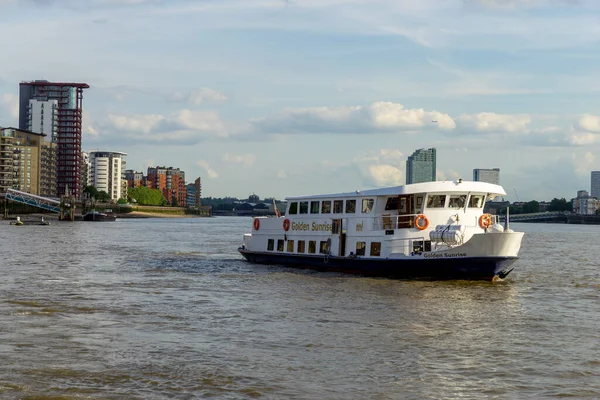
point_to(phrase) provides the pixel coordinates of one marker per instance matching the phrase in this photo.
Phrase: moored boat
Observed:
(99, 216)
(430, 230)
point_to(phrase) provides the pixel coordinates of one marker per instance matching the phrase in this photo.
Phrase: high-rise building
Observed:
(106, 172)
(595, 189)
(42, 117)
(487, 175)
(69, 98)
(420, 166)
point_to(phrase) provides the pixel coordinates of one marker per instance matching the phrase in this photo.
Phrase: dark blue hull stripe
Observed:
(472, 268)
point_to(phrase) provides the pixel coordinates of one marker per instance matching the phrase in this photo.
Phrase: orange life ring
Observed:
(256, 224)
(418, 220)
(286, 224)
(485, 221)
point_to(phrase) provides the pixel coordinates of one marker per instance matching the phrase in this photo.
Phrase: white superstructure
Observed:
(43, 118)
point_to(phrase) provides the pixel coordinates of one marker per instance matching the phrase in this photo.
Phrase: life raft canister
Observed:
(286, 224)
(485, 221)
(256, 224)
(421, 222)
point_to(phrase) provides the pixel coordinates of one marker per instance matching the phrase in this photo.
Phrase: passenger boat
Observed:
(430, 230)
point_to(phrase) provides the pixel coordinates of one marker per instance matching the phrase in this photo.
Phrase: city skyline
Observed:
(296, 97)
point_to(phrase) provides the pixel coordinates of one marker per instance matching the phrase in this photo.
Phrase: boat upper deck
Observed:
(416, 188)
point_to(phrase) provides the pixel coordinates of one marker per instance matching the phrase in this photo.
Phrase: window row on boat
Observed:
(310, 247)
(402, 203)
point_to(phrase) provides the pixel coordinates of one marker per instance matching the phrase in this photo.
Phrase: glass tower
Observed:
(420, 166)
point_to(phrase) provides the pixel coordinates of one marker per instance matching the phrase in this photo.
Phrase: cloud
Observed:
(183, 126)
(585, 131)
(377, 117)
(583, 163)
(489, 122)
(10, 102)
(197, 97)
(588, 123)
(386, 175)
(245, 159)
(212, 174)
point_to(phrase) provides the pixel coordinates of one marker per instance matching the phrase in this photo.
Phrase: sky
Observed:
(286, 98)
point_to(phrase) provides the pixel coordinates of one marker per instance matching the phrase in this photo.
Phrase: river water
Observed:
(167, 309)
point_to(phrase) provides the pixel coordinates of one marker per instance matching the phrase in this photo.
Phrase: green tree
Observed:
(560, 205)
(92, 191)
(102, 196)
(531, 207)
(145, 196)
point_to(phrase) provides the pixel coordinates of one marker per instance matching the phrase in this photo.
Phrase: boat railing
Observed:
(389, 221)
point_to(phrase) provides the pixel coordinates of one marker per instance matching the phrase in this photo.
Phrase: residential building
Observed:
(487, 175)
(106, 172)
(134, 178)
(48, 169)
(24, 149)
(86, 169)
(170, 181)
(584, 204)
(421, 166)
(595, 186)
(194, 193)
(69, 97)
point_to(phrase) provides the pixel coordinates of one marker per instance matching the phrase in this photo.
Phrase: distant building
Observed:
(253, 198)
(595, 186)
(69, 97)
(487, 175)
(421, 166)
(584, 204)
(106, 172)
(86, 169)
(170, 181)
(48, 169)
(134, 178)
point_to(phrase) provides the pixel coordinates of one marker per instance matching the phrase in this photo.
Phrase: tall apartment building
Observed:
(106, 172)
(421, 166)
(48, 169)
(487, 175)
(23, 160)
(170, 181)
(42, 117)
(69, 98)
(595, 185)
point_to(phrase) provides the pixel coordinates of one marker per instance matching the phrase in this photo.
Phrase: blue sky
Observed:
(283, 98)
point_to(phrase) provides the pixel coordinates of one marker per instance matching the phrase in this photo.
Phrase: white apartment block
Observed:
(105, 172)
(43, 118)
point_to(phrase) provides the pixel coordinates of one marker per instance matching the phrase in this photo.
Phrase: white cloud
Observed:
(281, 174)
(245, 159)
(583, 163)
(212, 174)
(377, 117)
(197, 97)
(495, 123)
(588, 123)
(386, 175)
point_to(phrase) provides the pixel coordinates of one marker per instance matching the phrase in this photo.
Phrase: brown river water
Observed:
(167, 309)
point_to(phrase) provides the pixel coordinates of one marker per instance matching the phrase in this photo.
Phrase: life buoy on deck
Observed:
(421, 222)
(485, 221)
(256, 224)
(286, 224)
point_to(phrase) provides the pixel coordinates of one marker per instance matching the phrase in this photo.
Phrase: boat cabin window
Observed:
(350, 206)
(367, 205)
(476, 201)
(280, 245)
(391, 203)
(290, 246)
(360, 248)
(314, 207)
(293, 208)
(457, 201)
(301, 245)
(304, 207)
(323, 248)
(436, 201)
(326, 207)
(375, 249)
(270, 244)
(338, 206)
(312, 246)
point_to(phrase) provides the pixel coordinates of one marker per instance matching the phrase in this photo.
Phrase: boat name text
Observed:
(444, 255)
(301, 226)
